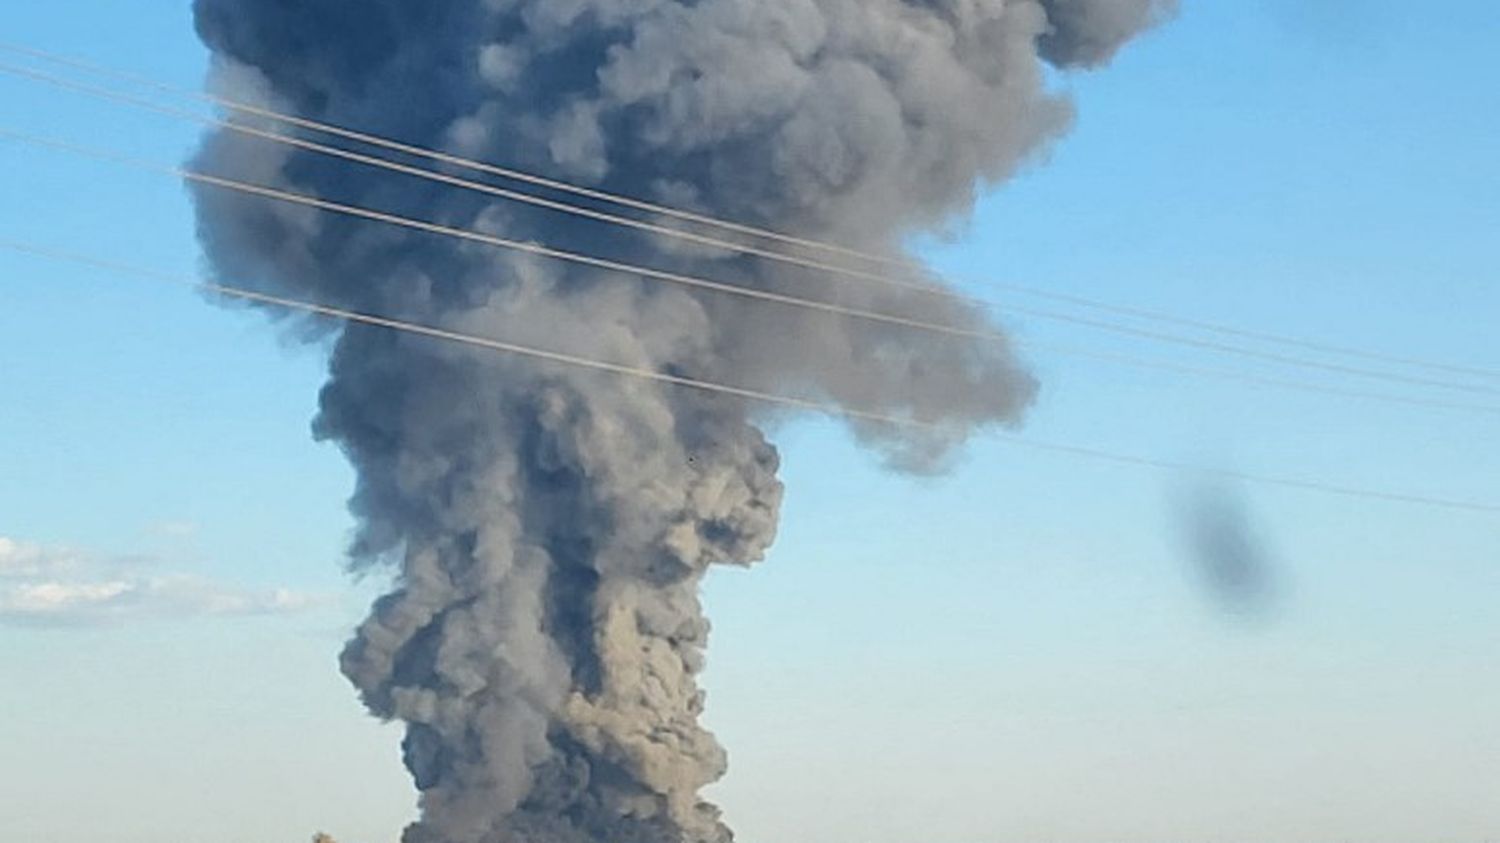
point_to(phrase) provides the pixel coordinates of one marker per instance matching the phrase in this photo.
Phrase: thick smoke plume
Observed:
(550, 526)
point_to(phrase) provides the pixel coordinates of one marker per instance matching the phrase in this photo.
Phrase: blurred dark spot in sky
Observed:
(1228, 551)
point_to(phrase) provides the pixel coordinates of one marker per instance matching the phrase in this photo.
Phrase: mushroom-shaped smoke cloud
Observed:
(550, 527)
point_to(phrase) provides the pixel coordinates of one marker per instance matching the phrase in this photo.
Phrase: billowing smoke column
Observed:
(550, 526)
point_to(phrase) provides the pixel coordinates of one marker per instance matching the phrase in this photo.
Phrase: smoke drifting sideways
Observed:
(549, 527)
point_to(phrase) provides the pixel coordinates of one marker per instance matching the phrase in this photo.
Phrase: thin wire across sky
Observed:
(760, 396)
(619, 200)
(658, 228)
(625, 269)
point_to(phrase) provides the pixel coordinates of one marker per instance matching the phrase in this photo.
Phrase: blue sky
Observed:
(1016, 651)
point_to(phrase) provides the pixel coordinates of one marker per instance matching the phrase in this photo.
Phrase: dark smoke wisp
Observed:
(549, 528)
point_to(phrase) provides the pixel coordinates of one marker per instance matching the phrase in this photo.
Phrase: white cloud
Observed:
(51, 586)
(22, 559)
(45, 597)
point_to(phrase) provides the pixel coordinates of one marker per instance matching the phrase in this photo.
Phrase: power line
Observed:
(601, 216)
(1257, 380)
(477, 186)
(726, 389)
(703, 219)
(497, 241)
(448, 158)
(747, 292)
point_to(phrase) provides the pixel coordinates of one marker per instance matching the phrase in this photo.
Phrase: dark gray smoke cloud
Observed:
(549, 526)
